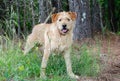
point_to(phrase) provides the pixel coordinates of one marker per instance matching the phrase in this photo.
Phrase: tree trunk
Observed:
(32, 12)
(71, 5)
(18, 13)
(112, 19)
(57, 4)
(24, 17)
(44, 10)
(82, 28)
(96, 16)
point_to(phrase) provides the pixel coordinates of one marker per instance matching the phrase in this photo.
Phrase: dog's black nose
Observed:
(64, 26)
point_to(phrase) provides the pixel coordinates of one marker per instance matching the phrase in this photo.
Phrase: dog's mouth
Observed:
(64, 31)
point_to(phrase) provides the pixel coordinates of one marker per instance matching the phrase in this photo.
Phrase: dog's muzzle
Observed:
(64, 29)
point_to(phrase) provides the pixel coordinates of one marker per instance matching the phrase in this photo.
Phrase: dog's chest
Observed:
(61, 43)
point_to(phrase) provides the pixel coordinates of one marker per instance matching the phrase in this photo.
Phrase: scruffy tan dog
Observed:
(56, 36)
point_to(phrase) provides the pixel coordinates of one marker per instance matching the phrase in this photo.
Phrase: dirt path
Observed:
(109, 58)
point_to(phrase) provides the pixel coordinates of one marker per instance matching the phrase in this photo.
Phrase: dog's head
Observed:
(65, 21)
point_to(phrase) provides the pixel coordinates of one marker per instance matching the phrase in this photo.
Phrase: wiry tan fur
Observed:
(53, 39)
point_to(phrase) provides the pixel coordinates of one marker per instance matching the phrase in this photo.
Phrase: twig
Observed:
(49, 15)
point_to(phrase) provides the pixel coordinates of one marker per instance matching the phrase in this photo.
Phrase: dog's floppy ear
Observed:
(73, 15)
(54, 17)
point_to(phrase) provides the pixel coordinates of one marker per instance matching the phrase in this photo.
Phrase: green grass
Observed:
(17, 67)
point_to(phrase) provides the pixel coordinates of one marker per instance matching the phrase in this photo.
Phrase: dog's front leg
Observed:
(44, 63)
(68, 65)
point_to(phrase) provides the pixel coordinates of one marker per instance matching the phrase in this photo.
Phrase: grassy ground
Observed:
(14, 66)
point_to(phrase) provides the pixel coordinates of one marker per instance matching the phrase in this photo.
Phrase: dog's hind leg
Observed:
(44, 63)
(30, 43)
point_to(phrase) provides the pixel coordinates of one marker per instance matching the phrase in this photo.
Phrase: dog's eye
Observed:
(60, 19)
(68, 19)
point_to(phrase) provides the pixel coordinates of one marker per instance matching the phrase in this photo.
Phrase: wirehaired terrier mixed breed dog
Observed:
(56, 36)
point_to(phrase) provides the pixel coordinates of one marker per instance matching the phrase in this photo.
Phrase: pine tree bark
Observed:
(71, 5)
(44, 9)
(18, 13)
(82, 28)
(96, 16)
(24, 18)
(112, 19)
(57, 4)
(32, 12)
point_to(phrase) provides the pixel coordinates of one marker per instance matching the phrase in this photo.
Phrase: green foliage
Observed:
(15, 66)
(65, 5)
(11, 23)
(118, 33)
(16, 17)
(56, 66)
(86, 63)
(106, 11)
(117, 13)
(101, 2)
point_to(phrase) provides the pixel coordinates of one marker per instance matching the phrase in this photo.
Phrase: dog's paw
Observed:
(43, 76)
(74, 76)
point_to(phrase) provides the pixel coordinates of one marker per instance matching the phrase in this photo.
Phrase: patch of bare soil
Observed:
(109, 58)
